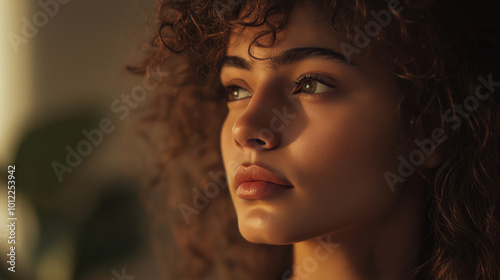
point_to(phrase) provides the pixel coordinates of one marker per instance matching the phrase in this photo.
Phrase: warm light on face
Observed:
(322, 123)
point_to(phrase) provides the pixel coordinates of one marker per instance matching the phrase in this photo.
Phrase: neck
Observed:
(388, 249)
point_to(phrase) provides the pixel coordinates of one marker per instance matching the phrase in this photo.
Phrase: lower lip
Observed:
(259, 189)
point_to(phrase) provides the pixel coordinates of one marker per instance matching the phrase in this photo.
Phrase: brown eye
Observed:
(309, 86)
(312, 85)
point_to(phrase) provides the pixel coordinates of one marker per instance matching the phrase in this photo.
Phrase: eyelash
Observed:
(304, 77)
(315, 77)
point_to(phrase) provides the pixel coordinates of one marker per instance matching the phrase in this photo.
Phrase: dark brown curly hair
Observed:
(445, 55)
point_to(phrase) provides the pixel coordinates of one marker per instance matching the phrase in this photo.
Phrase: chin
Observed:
(264, 229)
(265, 236)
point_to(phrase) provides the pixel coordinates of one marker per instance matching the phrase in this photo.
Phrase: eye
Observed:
(312, 83)
(234, 92)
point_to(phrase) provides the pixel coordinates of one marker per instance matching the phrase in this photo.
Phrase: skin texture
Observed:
(333, 148)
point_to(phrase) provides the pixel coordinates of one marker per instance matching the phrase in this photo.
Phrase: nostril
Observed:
(256, 142)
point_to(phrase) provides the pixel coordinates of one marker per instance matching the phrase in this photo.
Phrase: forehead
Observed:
(307, 26)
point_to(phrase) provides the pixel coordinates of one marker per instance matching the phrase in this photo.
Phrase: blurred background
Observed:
(65, 99)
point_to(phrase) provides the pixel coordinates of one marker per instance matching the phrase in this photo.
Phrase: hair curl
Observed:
(437, 50)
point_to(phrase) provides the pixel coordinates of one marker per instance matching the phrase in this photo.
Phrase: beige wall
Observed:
(73, 65)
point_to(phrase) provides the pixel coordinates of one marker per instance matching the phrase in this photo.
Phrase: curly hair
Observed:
(445, 56)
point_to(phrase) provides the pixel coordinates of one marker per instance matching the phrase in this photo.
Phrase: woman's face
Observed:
(323, 127)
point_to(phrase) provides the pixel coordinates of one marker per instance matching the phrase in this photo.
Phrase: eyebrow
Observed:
(288, 57)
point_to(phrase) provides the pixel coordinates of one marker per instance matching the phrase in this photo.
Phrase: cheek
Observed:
(342, 163)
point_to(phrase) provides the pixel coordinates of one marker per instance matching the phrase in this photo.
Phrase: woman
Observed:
(359, 136)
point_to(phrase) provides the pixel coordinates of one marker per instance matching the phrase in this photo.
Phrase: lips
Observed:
(257, 173)
(255, 182)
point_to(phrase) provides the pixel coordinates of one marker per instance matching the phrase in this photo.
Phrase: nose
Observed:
(257, 127)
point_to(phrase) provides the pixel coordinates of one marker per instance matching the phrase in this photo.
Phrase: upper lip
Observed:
(258, 173)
